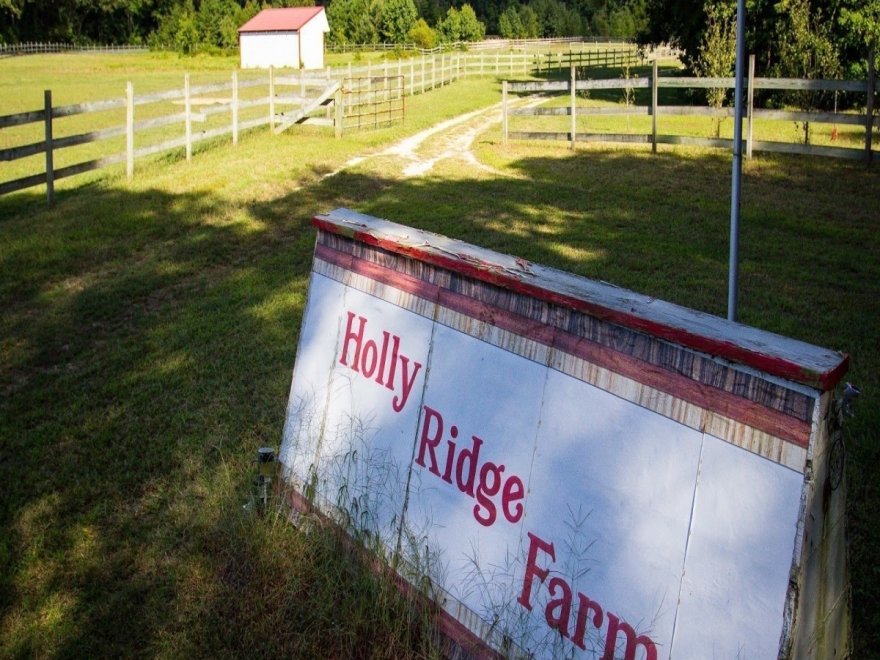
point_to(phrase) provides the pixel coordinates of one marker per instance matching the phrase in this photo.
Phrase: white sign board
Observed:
(566, 461)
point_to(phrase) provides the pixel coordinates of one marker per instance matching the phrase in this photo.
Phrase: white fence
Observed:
(33, 47)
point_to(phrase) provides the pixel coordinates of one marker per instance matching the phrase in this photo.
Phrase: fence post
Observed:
(869, 107)
(423, 74)
(50, 167)
(271, 98)
(412, 78)
(504, 112)
(235, 107)
(339, 114)
(433, 71)
(129, 131)
(573, 107)
(751, 105)
(654, 108)
(401, 85)
(187, 116)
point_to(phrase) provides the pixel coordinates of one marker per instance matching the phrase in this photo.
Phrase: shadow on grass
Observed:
(148, 341)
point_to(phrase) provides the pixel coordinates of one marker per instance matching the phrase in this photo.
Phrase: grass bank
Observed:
(149, 331)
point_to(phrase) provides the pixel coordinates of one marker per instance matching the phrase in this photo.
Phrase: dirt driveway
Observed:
(452, 139)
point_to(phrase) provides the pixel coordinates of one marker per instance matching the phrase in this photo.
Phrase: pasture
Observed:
(149, 332)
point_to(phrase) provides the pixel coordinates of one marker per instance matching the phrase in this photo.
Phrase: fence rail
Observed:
(492, 43)
(655, 82)
(33, 48)
(278, 101)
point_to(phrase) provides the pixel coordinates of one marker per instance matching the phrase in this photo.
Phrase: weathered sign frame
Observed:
(623, 402)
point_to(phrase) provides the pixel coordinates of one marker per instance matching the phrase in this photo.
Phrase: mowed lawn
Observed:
(149, 330)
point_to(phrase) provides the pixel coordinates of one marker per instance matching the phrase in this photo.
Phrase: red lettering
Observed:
(486, 492)
(615, 625)
(558, 620)
(399, 401)
(513, 492)
(557, 612)
(480, 482)
(450, 457)
(584, 607)
(395, 347)
(358, 337)
(429, 443)
(472, 455)
(368, 359)
(384, 354)
(533, 570)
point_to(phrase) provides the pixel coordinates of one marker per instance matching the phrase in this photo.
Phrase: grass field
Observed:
(148, 337)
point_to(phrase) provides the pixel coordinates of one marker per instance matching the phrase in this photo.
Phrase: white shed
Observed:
(284, 37)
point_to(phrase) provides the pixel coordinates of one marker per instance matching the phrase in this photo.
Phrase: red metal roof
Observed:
(281, 19)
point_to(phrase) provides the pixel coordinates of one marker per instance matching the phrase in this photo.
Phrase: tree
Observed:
(422, 35)
(510, 24)
(217, 23)
(461, 25)
(472, 29)
(351, 22)
(805, 51)
(529, 19)
(860, 21)
(450, 27)
(396, 19)
(717, 53)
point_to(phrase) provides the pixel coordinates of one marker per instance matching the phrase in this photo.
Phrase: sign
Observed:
(576, 469)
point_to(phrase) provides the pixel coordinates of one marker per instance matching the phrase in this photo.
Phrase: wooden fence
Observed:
(213, 111)
(655, 111)
(33, 48)
(492, 43)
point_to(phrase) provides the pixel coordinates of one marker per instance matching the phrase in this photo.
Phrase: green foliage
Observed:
(861, 20)
(217, 23)
(531, 27)
(717, 54)
(212, 27)
(510, 24)
(396, 19)
(351, 22)
(805, 51)
(472, 29)
(449, 28)
(777, 32)
(422, 35)
(461, 25)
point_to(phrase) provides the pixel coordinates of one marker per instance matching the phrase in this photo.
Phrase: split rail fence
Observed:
(655, 82)
(349, 97)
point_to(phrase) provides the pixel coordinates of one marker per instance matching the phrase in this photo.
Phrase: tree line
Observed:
(797, 38)
(792, 38)
(207, 25)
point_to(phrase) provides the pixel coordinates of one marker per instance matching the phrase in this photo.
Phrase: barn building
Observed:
(284, 37)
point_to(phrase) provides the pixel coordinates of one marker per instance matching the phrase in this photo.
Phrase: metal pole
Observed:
(736, 179)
